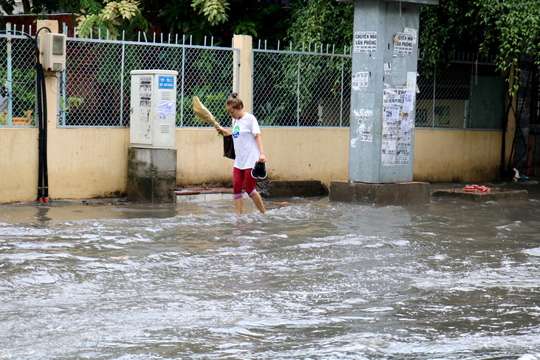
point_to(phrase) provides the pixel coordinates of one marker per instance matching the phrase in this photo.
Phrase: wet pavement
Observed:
(312, 279)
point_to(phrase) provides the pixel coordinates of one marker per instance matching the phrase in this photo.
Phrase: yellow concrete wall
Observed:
(307, 153)
(87, 162)
(92, 162)
(292, 154)
(200, 158)
(18, 164)
(456, 155)
(82, 163)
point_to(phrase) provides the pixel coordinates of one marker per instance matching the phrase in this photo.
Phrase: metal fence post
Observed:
(252, 77)
(122, 78)
(9, 74)
(434, 95)
(298, 89)
(342, 86)
(182, 80)
(468, 104)
(62, 104)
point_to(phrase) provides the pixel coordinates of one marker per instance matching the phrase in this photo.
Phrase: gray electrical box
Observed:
(153, 109)
(52, 49)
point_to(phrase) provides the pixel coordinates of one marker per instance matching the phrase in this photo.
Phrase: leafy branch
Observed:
(503, 28)
(215, 11)
(511, 28)
(111, 17)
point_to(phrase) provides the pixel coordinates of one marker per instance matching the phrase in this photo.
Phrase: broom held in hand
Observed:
(202, 113)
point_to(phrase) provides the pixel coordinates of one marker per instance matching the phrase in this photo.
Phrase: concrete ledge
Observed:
(203, 194)
(151, 175)
(205, 197)
(267, 189)
(380, 194)
(496, 194)
(302, 188)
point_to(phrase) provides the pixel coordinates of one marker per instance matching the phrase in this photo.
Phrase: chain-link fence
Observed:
(17, 80)
(293, 88)
(96, 85)
(290, 88)
(310, 89)
(464, 95)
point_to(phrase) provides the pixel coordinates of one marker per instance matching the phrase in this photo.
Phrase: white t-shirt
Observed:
(245, 146)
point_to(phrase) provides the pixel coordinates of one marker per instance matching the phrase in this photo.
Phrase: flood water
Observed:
(312, 279)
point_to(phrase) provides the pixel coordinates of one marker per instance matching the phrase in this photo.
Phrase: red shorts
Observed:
(243, 178)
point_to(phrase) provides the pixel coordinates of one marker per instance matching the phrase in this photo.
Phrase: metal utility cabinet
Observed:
(152, 156)
(153, 109)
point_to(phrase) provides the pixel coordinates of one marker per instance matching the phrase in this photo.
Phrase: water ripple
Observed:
(310, 280)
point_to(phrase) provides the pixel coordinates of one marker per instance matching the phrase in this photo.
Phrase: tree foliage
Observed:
(321, 21)
(7, 6)
(220, 19)
(36, 6)
(510, 28)
(502, 28)
(445, 29)
(109, 17)
(215, 11)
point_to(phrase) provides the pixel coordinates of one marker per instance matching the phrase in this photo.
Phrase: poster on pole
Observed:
(360, 80)
(365, 42)
(398, 113)
(404, 140)
(364, 130)
(404, 43)
(411, 80)
(390, 135)
(408, 100)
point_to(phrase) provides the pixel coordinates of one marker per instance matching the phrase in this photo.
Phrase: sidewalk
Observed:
(267, 189)
(502, 190)
(532, 186)
(202, 194)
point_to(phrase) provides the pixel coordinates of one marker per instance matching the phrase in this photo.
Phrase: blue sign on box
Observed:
(166, 82)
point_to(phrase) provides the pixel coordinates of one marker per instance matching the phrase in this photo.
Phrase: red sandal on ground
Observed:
(476, 188)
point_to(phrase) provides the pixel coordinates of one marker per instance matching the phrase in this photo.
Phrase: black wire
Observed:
(40, 135)
(503, 171)
(43, 179)
(506, 167)
(518, 125)
(45, 162)
(36, 41)
(14, 32)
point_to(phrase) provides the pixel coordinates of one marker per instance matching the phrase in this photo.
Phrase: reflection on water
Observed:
(310, 280)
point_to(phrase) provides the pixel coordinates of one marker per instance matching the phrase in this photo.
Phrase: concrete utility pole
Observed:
(383, 96)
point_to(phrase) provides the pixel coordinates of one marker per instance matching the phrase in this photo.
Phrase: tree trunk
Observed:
(26, 6)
